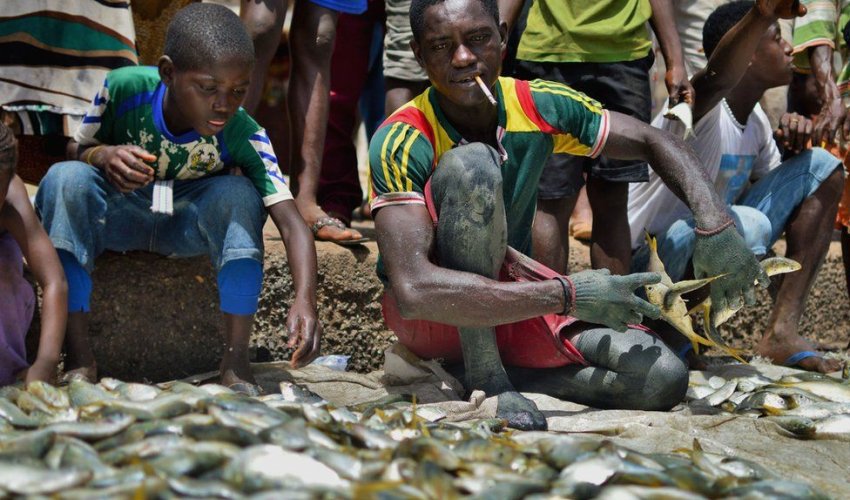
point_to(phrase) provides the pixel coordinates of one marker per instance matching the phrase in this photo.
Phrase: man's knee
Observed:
(467, 167)
(755, 227)
(666, 382)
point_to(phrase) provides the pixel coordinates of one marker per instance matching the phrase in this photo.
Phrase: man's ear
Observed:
(166, 70)
(417, 54)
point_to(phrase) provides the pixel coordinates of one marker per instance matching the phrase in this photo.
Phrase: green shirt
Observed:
(128, 110)
(535, 119)
(586, 31)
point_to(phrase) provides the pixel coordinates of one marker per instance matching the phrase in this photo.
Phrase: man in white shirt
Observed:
(747, 56)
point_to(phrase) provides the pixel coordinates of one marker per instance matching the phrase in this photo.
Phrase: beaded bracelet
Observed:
(717, 230)
(569, 294)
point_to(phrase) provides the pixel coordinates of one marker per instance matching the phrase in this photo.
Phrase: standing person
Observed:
(604, 50)
(799, 196)
(312, 37)
(455, 186)
(21, 236)
(146, 176)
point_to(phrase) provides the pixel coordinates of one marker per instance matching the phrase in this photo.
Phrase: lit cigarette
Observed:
(485, 90)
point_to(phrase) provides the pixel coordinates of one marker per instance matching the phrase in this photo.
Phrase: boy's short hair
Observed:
(202, 33)
(721, 21)
(418, 7)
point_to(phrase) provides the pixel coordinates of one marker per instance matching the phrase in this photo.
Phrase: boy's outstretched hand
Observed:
(784, 9)
(305, 332)
(125, 166)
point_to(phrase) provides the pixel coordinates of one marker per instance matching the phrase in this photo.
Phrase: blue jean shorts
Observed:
(344, 6)
(761, 213)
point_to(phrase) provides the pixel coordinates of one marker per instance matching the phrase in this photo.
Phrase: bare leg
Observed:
(472, 236)
(79, 358)
(581, 221)
(264, 21)
(808, 234)
(845, 255)
(610, 246)
(550, 233)
(312, 41)
(235, 366)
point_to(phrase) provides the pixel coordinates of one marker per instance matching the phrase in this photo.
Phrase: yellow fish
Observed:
(668, 297)
(714, 318)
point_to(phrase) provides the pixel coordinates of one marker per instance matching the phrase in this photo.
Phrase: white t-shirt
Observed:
(732, 154)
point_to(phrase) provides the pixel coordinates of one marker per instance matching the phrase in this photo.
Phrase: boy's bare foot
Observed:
(794, 350)
(238, 376)
(328, 228)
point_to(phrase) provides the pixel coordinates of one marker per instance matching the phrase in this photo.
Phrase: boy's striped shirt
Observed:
(128, 110)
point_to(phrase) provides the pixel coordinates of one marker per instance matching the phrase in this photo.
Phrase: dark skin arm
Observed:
(676, 79)
(730, 60)
(425, 290)
(18, 217)
(302, 324)
(673, 160)
(832, 118)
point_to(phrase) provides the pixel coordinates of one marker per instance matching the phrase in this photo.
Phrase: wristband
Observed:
(569, 294)
(716, 230)
(90, 152)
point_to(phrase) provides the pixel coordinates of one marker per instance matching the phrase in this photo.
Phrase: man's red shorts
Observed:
(533, 343)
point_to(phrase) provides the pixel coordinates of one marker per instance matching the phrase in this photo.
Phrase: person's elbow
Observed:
(410, 299)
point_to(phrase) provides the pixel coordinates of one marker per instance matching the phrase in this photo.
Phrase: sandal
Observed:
(334, 222)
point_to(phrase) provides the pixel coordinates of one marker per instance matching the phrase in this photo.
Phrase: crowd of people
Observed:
(498, 115)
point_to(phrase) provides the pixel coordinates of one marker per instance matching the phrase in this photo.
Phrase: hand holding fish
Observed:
(609, 300)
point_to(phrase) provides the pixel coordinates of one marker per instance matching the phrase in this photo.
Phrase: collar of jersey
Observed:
(159, 120)
(453, 134)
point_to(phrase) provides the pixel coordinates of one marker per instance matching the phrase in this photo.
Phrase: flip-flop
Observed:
(333, 221)
(247, 389)
(795, 358)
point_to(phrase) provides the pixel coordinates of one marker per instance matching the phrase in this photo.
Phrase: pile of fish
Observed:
(128, 440)
(807, 405)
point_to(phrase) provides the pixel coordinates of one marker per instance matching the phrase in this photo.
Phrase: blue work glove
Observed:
(610, 300)
(726, 253)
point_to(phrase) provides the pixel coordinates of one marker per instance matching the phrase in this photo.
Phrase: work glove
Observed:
(610, 300)
(726, 253)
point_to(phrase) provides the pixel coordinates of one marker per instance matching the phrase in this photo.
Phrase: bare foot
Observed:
(779, 350)
(327, 228)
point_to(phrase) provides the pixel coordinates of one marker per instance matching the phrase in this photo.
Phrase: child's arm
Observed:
(302, 323)
(18, 217)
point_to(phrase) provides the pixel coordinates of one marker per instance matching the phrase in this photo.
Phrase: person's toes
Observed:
(520, 412)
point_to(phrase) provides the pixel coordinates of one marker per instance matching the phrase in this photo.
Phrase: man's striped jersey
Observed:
(536, 118)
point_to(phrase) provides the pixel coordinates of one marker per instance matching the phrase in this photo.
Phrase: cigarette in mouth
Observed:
(485, 90)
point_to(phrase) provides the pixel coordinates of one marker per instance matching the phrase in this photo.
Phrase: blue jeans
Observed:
(761, 213)
(84, 214)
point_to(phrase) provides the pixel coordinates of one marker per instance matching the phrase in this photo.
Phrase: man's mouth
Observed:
(465, 80)
(217, 123)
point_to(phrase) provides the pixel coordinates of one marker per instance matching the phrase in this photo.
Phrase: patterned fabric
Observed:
(535, 119)
(586, 31)
(128, 110)
(55, 53)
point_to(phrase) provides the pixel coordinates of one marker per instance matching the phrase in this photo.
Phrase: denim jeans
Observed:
(761, 213)
(84, 214)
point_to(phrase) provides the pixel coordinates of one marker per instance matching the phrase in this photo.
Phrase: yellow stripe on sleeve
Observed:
(404, 158)
(395, 166)
(385, 151)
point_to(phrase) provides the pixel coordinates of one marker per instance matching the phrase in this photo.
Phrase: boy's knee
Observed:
(237, 193)
(67, 173)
